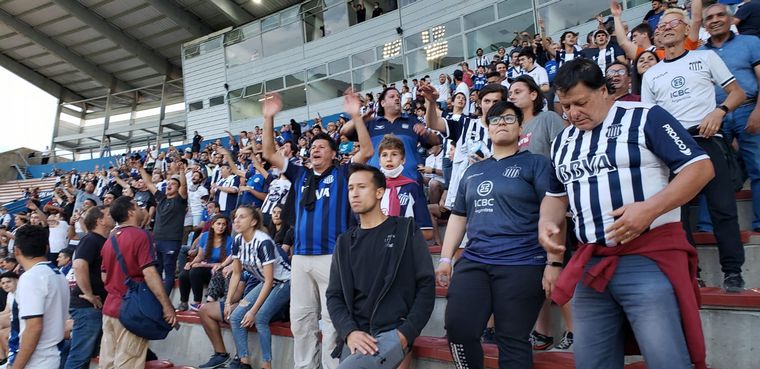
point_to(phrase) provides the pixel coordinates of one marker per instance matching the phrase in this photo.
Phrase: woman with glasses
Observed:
(503, 264)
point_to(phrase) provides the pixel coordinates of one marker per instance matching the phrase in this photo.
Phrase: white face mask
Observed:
(392, 173)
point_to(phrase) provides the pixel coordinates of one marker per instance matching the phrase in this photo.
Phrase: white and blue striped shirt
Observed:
(261, 251)
(227, 201)
(628, 158)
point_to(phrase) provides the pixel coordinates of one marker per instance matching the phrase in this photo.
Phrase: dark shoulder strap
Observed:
(119, 256)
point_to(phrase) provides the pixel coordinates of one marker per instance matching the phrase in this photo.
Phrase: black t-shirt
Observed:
(89, 250)
(170, 217)
(749, 15)
(370, 254)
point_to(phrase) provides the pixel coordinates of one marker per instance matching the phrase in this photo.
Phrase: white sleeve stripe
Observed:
(559, 194)
(692, 161)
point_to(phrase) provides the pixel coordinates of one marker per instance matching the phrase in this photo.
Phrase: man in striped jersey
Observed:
(470, 135)
(684, 84)
(322, 213)
(613, 166)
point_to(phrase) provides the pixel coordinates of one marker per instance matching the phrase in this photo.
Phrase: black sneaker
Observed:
(733, 283)
(541, 342)
(217, 360)
(235, 363)
(565, 343)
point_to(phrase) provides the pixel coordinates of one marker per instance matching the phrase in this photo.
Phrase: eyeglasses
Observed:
(619, 72)
(672, 24)
(502, 119)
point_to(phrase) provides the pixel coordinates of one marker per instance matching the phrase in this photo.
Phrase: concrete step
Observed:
(743, 208)
(710, 263)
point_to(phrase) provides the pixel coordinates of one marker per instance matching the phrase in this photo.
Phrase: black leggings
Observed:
(195, 278)
(513, 294)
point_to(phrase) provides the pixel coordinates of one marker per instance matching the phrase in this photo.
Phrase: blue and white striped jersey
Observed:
(261, 251)
(628, 158)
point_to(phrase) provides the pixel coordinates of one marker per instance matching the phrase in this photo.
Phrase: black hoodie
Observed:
(408, 296)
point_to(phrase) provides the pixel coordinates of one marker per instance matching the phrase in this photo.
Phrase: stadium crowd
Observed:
(329, 225)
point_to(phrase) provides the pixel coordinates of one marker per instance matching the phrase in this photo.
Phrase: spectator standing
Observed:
(87, 290)
(171, 208)
(528, 63)
(378, 317)
(462, 87)
(377, 11)
(225, 191)
(603, 52)
(652, 17)
(361, 12)
(619, 75)
(741, 53)
(139, 256)
(196, 192)
(5, 218)
(747, 18)
(323, 196)
(621, 223)
(503, 260)
(196, 145)
(684, 84)
(43, 302)
(443, 91)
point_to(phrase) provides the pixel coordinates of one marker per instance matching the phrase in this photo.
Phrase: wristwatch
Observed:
(724, 108)
(557, 264)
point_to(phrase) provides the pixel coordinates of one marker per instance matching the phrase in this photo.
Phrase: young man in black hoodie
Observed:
(379, 268)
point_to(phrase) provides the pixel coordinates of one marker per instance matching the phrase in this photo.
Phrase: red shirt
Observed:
(138, 254)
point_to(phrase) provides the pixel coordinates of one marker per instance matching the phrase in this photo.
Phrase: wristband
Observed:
(557, 264)
(444, 260)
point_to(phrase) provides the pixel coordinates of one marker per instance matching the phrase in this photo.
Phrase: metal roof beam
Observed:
(104, 78)
(233, 11)
(42, 82)
(148, 56)
(182, 17)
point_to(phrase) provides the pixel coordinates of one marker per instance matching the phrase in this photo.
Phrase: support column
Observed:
(57, 122)
(161, 115)
(106, 120)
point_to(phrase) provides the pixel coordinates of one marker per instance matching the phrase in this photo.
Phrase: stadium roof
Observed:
(79, 49)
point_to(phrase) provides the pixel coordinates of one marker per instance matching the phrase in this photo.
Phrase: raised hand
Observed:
(272, 105)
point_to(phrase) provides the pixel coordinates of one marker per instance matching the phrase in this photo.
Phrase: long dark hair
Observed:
(380, 109)
(538, 103)
(636, 77)
(284, 226)
(212, 236)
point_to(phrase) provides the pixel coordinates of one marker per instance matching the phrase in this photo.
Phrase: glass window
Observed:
(403, 3)
(271, 22)
(316, 72)
(249, 107)
(362, 58)
(436, 55)
(254, 89)
(293, 97)
(313, 20)
(509, 8)
(234, 94)
(216, 100)
(212, 44)
(335, 16)
(338, 66)
(289, 15)
(193, 106)
(452, 27)
(192, 51)
(294, 79)
(252, 29)
(378, 74)
(564, 14)
(328, 88)
(243, 52)
(414, 41)
(274, 84)
(492, 37)
(479, 18)
(281, 39)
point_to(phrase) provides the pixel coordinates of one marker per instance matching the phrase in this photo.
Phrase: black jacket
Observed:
(408, 295)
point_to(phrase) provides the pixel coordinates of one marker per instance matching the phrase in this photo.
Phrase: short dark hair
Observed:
(491, 88)
(380, 109)
(67, 251)
(528, 53)
(502, 62)
(92, 215)
(391, 142)
(627, 69)
(500, 107)
(9, 274)
(493, 74)
(579, 71)
(120, 208)
(644, 28)
(326, 137)
(378, 178)
(11, 259)
(32, 241)
(538, 104)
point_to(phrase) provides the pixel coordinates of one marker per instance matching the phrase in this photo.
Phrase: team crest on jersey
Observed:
(377, 128)
(484, 188)
(695, 65)
(403, 199)
(614, 130)
(329, 179)
(512, 172)
(678, 82)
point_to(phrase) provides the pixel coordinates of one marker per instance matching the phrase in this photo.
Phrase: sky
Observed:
(26, 112)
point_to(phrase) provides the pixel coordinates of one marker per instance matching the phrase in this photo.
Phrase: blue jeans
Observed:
(734, 125)
(167, 253)
(85, 336)
(640, 292)
(278, 298)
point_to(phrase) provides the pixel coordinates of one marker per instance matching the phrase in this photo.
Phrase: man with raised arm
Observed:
(322, 213)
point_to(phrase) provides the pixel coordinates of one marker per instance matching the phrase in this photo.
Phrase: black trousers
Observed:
(721, 204)
(195, 279)
(513, 294)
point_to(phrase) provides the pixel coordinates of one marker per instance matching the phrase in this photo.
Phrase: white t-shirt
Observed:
(685, 86)
(539, 75)
(58, 237)
(435, 162)
(42, 292)
(194, 195)
(462, 87)
(443, 92)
